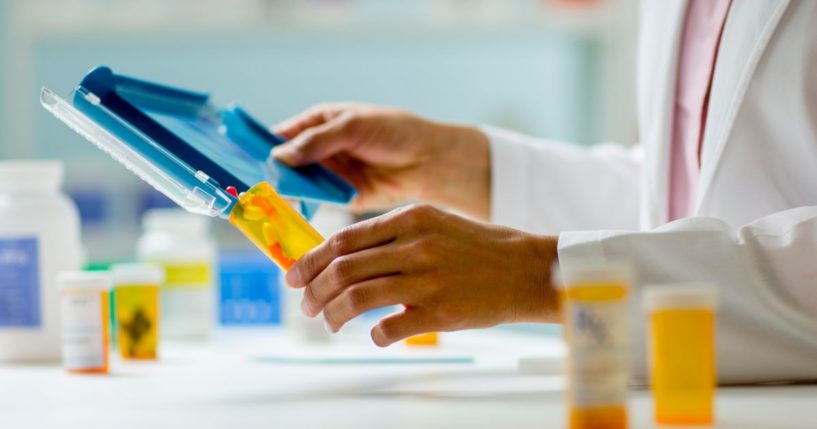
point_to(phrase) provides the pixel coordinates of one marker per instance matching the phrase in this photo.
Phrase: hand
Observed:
(449, 272)
(391, 156)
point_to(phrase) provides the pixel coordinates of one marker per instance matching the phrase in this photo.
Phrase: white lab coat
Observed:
(754, 230)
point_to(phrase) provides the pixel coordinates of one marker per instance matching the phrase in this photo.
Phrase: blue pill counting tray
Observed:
(184, 146)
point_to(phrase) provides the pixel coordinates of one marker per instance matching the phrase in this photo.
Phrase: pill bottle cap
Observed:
(84, 280)
(599, 273)
(175, 221)
(137, 274)
(684, 295)
(31, 175)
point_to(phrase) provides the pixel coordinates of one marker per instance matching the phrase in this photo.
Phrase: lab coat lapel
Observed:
(748, 28)
(661, 25)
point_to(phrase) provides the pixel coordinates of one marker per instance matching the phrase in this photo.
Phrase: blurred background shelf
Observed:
(559, 69)
(191, 17)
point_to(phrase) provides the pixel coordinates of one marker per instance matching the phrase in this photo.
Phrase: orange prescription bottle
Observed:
(427, 339)
(682, 352)
(84, 314)
(270, 223)
(136, 305)
(595, 304)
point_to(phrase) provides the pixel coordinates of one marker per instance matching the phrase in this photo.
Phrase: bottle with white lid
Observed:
(180, 243)
(39, 237)
(84, 307)
(327, 221)
(595, 298)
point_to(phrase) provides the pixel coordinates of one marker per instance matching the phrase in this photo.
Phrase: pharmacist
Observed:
(722, 189)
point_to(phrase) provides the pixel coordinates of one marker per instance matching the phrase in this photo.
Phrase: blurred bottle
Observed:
(180, 243)
(595, 300)
(298, 325)
(327, 221)
(136, 308)
(248, 289)
(427, 339)
(39, 237)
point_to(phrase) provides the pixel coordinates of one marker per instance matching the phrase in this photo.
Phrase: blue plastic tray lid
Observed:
(184, 146)
(202, 198)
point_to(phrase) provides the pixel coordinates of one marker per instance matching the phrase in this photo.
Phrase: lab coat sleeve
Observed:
(765, 273)
(534, 184)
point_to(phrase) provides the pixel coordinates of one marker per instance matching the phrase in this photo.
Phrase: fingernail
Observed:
(327, 327)
(293, 277)
(283, 153)
(376, 338)
(306, 309)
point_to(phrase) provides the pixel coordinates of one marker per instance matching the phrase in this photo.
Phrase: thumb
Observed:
(313, 145)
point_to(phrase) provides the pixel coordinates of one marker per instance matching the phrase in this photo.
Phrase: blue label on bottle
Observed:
(19, 283)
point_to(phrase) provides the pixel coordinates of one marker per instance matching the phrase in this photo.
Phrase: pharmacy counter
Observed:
(262, 379)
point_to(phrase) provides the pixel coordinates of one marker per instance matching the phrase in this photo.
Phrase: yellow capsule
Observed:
(270, 235)
(252, 213)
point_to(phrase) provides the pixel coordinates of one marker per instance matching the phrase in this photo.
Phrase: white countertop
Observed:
(243, 380)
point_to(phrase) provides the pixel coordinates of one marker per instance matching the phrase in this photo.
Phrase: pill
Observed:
(280, 257)
(264, 205)
(270, 236)
(252, 213)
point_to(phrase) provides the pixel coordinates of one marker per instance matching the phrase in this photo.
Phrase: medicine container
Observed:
(681, 320)
(136, 306)
(210, 160)
(39, 237)
(84, 306)
(180, 243)
(595, 301)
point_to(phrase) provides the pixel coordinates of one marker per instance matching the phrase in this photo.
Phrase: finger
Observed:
(354, 238)
(365, 296)
(312, 117)
(314, 144)
(347, 270)
(402, 325)
(348, 168)
(353, 171)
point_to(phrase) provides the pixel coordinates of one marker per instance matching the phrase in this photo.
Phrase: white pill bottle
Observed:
(180, 243)
(39, 237)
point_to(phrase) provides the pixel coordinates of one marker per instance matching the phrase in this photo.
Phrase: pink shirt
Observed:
(696, 63)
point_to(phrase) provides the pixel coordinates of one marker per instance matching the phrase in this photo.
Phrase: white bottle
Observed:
(180, 243)
(328, 220)
(39, 237)
(85, 308)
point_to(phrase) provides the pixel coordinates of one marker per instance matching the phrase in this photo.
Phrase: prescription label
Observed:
(19, 283)
(598, 337)
(137, 315)
(191, 275)
(83, 339)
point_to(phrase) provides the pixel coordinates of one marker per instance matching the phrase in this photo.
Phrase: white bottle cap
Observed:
(137, 274)
(175, 221)
(84, 280)
(683, 295)
(31, 175)
(599, 273)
